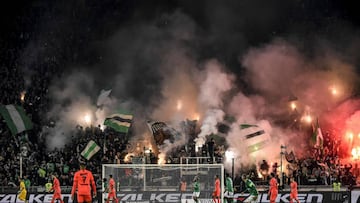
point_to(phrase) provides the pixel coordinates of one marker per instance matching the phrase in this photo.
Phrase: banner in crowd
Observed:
(120, 122)
(90, 150)
(255, 137)
(161, 131)
(205, 196)
(290, 157)
(15, 118)
(355, 195)
(317, 136)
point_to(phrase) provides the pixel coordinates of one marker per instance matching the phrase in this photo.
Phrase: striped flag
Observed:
(156, 126)
(120, 122)
(15, 118)
(90, 150)
(157, 129)
(243, 126)
(255, 137)
(161, 132)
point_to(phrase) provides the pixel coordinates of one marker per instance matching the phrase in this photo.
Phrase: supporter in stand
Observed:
(264, 169)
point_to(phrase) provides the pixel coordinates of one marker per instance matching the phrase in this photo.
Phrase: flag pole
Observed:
(104, 146)
(282, 147)
(21, 163)
(23, 153)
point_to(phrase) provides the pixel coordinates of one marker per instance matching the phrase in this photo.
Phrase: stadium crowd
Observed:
(38, 163)
(321, 168)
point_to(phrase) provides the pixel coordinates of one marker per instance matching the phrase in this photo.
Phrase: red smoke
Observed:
(341, 127)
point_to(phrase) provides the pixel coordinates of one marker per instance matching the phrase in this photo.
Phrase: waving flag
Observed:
(90, 150)
(15, 118)
(161, 132)
(157, 129)
(317, 136)
(243, 126)
(255, 137)
(120, 122)
(290, 157)
(103, 97)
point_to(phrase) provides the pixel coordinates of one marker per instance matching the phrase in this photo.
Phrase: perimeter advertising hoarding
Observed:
(355, 195)
(176, 197)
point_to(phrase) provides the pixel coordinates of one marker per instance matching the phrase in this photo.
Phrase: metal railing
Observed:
(197, 160)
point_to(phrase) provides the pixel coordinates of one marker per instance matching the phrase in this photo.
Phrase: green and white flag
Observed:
(90, 150)
(120, 122)
(255, 138)
(15, 118)
(243, 126)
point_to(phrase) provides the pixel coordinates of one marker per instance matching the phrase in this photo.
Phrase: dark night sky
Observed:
(77, 32)
(258, 20)
(248, 22)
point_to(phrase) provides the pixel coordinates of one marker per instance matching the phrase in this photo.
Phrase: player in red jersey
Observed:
(56, 188)
(111, 190)
(293, 190)
(83, 184)
(216, 192)
(273, 190)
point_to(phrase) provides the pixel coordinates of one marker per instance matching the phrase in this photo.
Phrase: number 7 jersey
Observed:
(83, 183)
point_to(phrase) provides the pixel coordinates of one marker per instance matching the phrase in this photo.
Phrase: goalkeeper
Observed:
(22, 190)
(48, 186)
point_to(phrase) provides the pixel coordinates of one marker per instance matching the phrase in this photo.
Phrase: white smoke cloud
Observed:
(73, 105)
(160, 66)
(214, 84)
(213, 88)
(209, 125)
